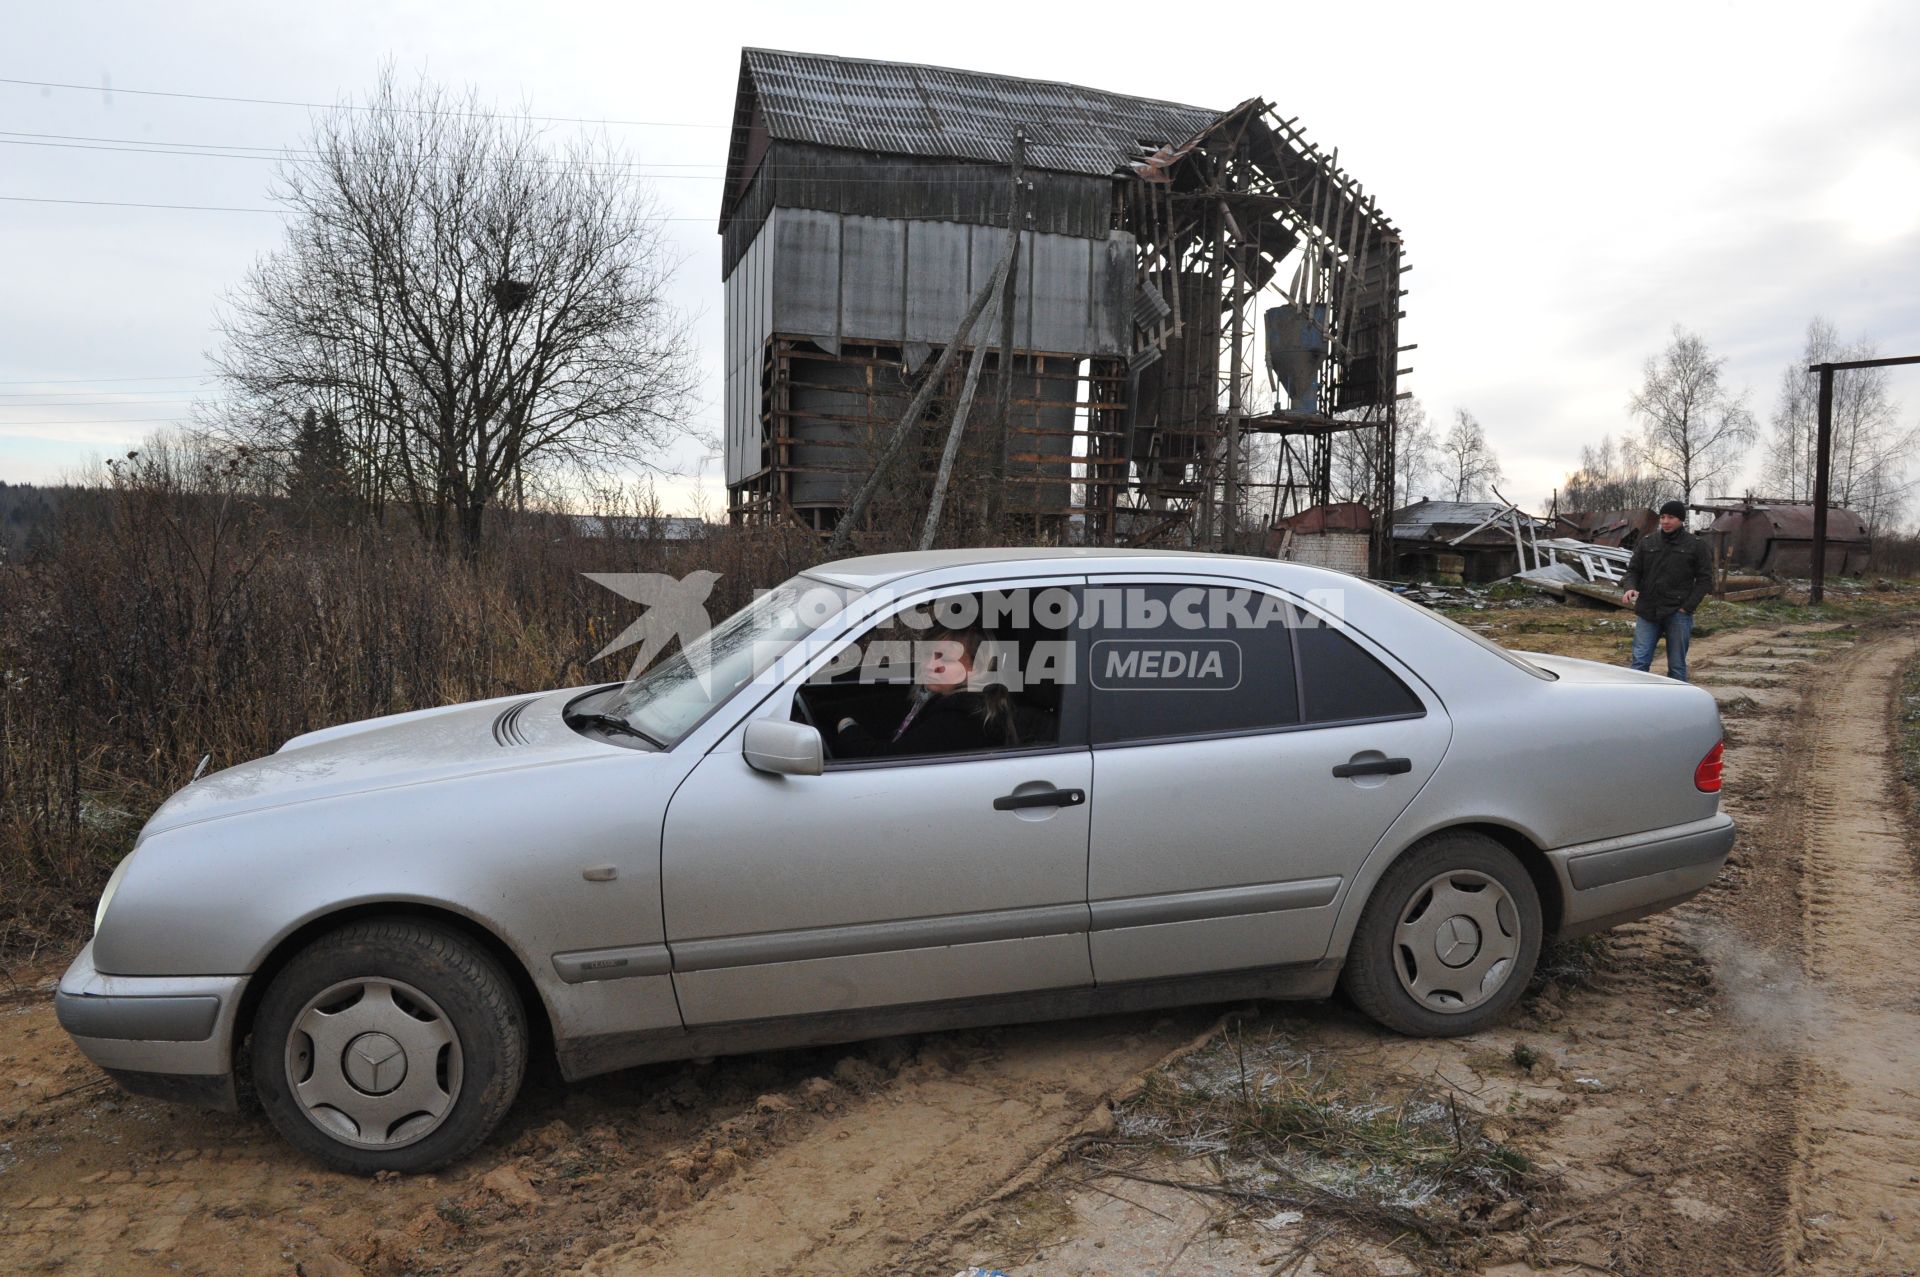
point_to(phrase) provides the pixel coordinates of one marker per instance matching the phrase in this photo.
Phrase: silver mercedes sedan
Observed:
(897, 793)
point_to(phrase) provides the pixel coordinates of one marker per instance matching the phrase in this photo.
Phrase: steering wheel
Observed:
(805, 711)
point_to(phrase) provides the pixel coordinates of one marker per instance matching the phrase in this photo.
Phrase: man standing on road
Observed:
(1670, 572)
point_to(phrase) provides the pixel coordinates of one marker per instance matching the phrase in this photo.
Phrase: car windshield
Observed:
(669, 700)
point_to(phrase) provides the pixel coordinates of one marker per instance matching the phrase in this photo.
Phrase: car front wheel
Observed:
(389, 1045)
(1449, 939)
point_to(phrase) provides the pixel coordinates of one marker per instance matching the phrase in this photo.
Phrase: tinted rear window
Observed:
(1231, 673)
(1340, 680)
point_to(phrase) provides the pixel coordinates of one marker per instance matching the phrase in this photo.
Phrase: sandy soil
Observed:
(1732, 1092)
(1856, 1183)
(821, 1161)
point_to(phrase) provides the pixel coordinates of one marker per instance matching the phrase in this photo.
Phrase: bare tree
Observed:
(1415, 454)
(1354, 464)
(465, 304)
(1870, 449)
(1610, 477)
(1351, 467)
(1693, 428)
(1468, 467)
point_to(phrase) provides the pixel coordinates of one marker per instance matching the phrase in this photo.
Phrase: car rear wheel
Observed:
(389, 1045)
(1448, 940)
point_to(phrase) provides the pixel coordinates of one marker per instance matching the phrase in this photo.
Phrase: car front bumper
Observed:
(166, 1036)
(1616, 880)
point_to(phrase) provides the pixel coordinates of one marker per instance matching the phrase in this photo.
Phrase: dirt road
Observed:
(1855, 1205)
(1726, 1089)
(803, 1162)
(1730, 1090)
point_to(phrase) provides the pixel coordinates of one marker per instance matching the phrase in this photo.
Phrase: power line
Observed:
(78, 394)
(194, 208)
(232, 208)
(273, 149)
(355, 106)
(108, 421)
(630, 168)
(97, 403)
(228, 150)
(101, 381)
(633, 169)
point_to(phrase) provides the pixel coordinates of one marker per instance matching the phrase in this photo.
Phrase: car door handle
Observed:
(1045, 798)
(1375, 767)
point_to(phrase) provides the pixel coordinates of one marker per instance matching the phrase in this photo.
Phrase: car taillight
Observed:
(1706, 777)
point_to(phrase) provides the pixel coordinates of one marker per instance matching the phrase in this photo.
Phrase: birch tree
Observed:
(1611, 477)
(1355, 460)
(1694, 429)
(1469, 469)
(1870, 449)
(1415, 454)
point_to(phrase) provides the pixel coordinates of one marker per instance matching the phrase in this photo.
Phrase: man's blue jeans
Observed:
(1678, 629)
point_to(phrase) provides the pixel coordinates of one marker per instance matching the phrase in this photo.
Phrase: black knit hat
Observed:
(1678, 509)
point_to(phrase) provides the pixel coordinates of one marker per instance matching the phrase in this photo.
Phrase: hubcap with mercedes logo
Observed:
(1456, 941)
(374, 1062)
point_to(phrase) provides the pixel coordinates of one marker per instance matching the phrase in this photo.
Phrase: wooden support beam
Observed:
(857, 509)
(955, 429)
(1009, 295)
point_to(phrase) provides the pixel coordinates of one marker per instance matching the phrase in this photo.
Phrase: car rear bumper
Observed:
(1615, 880)
(168, 1036)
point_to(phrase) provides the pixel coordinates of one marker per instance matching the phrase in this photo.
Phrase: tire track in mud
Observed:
(830, 1160)
(1662, 1098)
(902, 1160)
(1854, 1201)
(1681, 1160)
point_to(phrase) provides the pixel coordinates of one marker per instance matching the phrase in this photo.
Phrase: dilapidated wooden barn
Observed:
(868, 202)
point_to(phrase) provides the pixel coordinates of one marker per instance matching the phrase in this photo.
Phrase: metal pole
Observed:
(1821, 466)
(1235, 410)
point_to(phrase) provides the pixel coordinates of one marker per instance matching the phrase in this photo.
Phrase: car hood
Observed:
(505, 734)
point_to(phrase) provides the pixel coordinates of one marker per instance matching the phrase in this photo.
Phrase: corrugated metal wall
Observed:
(834, 277)
(792, 175)
(748, 312)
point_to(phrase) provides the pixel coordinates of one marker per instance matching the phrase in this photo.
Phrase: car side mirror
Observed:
(783, 748)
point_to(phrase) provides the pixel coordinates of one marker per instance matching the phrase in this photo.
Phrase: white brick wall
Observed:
(1341, 551)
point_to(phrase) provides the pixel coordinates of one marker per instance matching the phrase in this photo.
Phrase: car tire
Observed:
(389, 1045)
(1448, 940)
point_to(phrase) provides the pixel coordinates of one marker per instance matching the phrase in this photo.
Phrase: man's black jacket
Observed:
(952, 723)
(1672, 570)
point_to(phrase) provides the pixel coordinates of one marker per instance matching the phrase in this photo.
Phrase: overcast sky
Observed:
(1571, 180)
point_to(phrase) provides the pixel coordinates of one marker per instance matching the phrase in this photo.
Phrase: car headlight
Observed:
(106, 896)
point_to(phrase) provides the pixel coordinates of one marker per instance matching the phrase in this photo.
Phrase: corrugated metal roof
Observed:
(905, 109)
(1341, 516)
(1423, 518)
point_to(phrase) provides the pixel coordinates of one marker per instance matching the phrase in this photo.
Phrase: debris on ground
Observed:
(1549, 575)
(1284, 1137)
(1440, 595)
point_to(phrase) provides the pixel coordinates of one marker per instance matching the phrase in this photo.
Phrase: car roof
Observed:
(869, 571)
